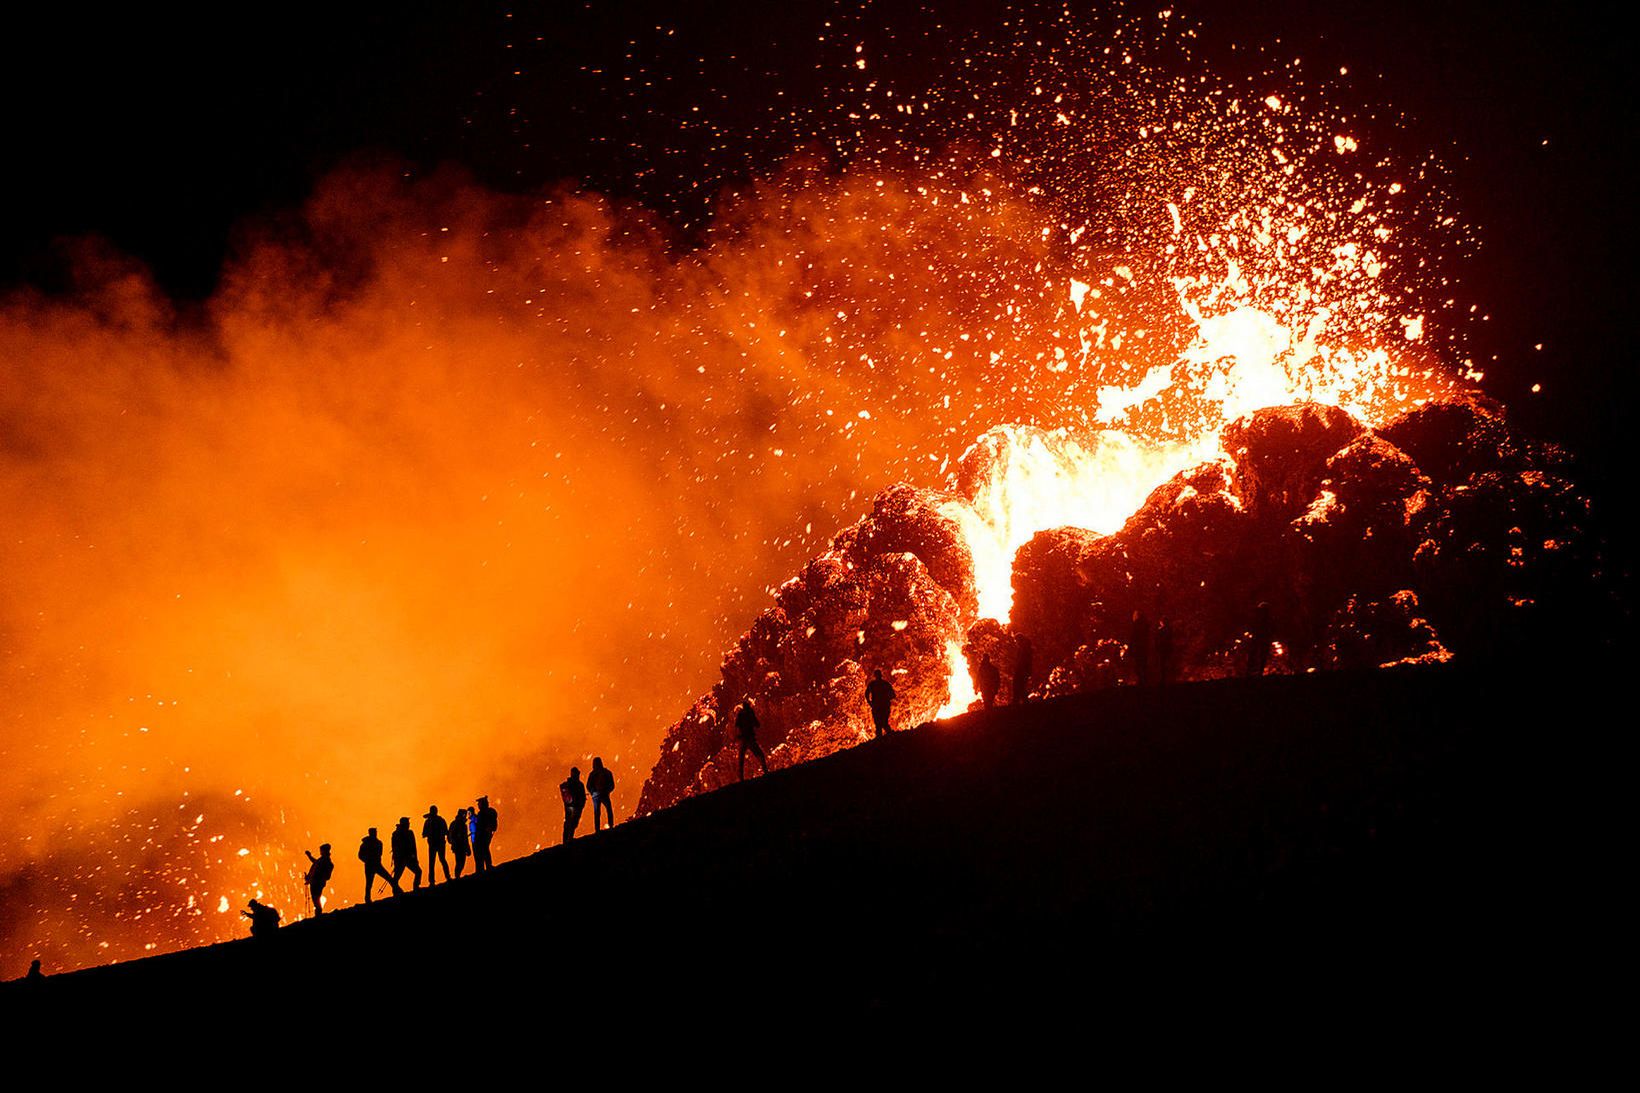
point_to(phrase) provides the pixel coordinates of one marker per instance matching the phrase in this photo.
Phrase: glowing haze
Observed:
(445, 490)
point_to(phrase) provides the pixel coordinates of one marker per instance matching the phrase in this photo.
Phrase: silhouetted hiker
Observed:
(1139, 648)
(461, 840)
(370, 852)
(403, 841)
(1164, 652)
(34, 974)
(264, 919)
(318, 875)
(436, 832)
(880, 697)
(1258, 646)
(601, 784)
(1023, 656)
(485, 825)
(746, 722)
(990, 681)
(574, 793)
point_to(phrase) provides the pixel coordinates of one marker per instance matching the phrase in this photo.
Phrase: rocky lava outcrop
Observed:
(1440, 533)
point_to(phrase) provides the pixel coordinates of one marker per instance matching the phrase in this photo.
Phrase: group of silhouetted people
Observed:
(467, 834)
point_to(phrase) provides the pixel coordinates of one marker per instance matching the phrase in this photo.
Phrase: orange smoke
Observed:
(444, 490)
(441, 492)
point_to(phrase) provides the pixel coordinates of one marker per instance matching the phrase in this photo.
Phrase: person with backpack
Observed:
(404, 853)
(318, 875)
(370, 853)
(485, 825)
(574, 794)
(437, 832)
(600, 785)
(746, 724)
(461, 840)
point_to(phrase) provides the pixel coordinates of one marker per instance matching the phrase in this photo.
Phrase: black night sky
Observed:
(160, 129)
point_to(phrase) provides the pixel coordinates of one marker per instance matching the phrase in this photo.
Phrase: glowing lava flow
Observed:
(1240, 361)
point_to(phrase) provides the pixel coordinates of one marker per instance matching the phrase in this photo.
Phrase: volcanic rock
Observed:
(1050, 597)
(1381, 634)
(890, 594)
(1450, 441)
(1280, 452)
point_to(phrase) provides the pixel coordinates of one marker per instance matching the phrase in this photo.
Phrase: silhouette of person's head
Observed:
(986, 659)
(575, 772)
(878, 673)
(372, 833)
(404, 821)
(432, 810)
(483, 802)
(597, 763)
(324, 850)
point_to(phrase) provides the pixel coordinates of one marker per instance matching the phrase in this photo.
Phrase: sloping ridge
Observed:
(1354, 832)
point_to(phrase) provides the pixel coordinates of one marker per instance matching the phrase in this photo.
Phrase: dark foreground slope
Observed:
(1430, 842)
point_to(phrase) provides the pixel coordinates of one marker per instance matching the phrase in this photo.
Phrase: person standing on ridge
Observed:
(436, 831)
(574, 793)
(990, 681)
(461, 840)
(746, 724)
(600, 785)
(318, 875)
(1023, 654)
(1139, 648)
(370, 852)
(880, 697)
(485, 825)
(404, 853)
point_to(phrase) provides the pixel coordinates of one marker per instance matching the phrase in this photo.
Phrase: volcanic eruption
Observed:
(445, 489)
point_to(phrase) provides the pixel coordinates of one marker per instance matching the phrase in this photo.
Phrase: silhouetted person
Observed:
(437, 832)
(1258, 645)
(601, 786)
(264, 919)
(370, 852)
(880, 697)
(318, 875)
(989, 678)
(34, 974)
(574, 793)
(461, 840)
(485, 825)
(1139, 648)
(403, 842)
(1164, 652)
(1023, 656)
(746, 724)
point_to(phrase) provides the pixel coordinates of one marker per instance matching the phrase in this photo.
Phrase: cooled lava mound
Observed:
(1440, 534)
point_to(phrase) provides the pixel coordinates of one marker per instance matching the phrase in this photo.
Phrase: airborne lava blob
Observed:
(445, 490)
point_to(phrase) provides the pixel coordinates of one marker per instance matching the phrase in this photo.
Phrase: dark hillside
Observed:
(1431, 840)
